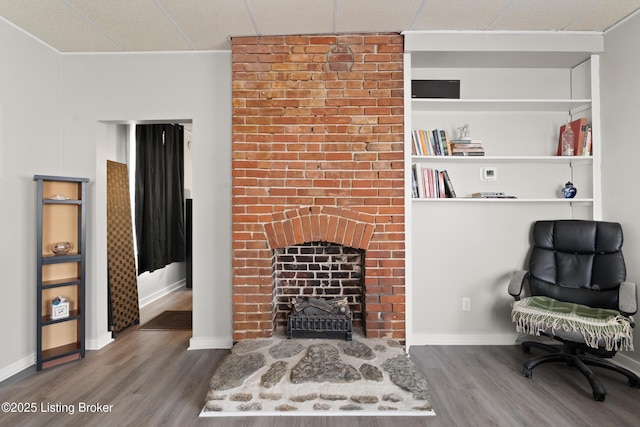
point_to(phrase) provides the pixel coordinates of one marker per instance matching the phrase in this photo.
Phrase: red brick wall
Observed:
(318, 156)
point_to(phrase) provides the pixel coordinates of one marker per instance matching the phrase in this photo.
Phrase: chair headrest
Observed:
(578, 236)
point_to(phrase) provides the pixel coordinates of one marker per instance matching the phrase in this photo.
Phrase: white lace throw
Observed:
(534, 315)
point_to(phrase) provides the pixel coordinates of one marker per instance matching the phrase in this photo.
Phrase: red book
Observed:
(579, 128)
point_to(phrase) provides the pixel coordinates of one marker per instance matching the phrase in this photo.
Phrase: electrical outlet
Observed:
(466, 304)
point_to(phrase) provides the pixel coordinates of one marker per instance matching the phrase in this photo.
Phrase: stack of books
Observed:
(431, 183)
(430, 143)
(466, 147)
(492, 195)
(582, 135)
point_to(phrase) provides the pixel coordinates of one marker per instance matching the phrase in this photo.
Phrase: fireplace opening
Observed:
(318, 270)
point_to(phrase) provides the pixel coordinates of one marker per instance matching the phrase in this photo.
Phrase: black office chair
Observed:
(577, 295)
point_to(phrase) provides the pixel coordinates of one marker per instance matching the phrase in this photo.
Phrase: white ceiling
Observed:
(178, 25)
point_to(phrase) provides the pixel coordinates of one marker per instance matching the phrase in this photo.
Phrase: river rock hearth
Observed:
(317, 376)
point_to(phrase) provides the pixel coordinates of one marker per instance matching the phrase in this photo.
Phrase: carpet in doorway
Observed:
(169, 320)
(317, 377)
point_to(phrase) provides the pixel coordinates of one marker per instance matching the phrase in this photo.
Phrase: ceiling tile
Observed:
(458, 14)
(56, 24)
(209, 26)
(605, 15)
(137, 25)
(281, 17)
(164, 25)
(375, 15)
(538, 15)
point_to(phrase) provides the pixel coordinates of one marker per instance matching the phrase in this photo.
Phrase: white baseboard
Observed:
(210, 343)
(27, 361)
(162, 292)
(627, 362)
(464, 339)
(505, 339)
(17, 366)
(97, 344)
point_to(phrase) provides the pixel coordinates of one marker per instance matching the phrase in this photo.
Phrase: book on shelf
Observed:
(442, 192)
(440, 136)
(431, 183)
(422, 144)
(430, 142)
(488, 193)
(464, 145)
(466, 141)
(467, 147)
(449, 186)
(467, 150)
(435, 143)
(580, 130)
(587, 146)
(468, 153)
(492, 195)
(414, 183)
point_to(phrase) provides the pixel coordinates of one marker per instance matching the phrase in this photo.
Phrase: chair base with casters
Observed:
(577, 356)
(576, 291)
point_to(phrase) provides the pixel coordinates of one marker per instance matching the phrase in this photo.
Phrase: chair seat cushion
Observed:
(599, 327)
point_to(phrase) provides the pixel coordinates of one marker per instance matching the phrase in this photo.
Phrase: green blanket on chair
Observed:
(534, 315)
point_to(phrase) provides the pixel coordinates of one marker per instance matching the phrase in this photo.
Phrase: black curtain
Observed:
(159, 196)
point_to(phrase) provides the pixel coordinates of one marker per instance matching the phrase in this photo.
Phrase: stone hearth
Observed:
(321, 377)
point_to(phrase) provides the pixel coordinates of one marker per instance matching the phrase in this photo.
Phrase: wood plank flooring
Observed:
(150, 379)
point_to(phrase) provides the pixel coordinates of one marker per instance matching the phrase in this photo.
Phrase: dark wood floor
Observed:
(150, 379)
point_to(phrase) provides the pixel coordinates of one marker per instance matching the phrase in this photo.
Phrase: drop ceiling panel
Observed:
(375, 15)
(542, 14)
(136, 25)
(605, 15)
(56, 24)
(208, 27)
(276, 17)
(165, 25)
(456, 15)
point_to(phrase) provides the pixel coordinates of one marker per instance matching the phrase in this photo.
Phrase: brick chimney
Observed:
(318, 157)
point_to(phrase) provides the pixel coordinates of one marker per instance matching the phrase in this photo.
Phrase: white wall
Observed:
(163, 86)
(155, 285)
(29, 145)
(469, 250)
(53, 114)
(620, 89)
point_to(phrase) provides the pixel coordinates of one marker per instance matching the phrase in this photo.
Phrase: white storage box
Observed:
(60, 310)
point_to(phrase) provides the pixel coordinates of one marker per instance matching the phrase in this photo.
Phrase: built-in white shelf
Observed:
(584, 201)
(505, 159)
(516, 91)
(440, 104)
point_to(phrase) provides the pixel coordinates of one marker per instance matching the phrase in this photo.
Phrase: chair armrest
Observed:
(627, 298)
(517, 283)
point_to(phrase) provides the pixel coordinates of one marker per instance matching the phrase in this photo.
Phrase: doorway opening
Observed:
(175, 276)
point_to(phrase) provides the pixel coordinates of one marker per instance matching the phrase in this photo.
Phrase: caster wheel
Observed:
(598, 396)
(527, 372)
